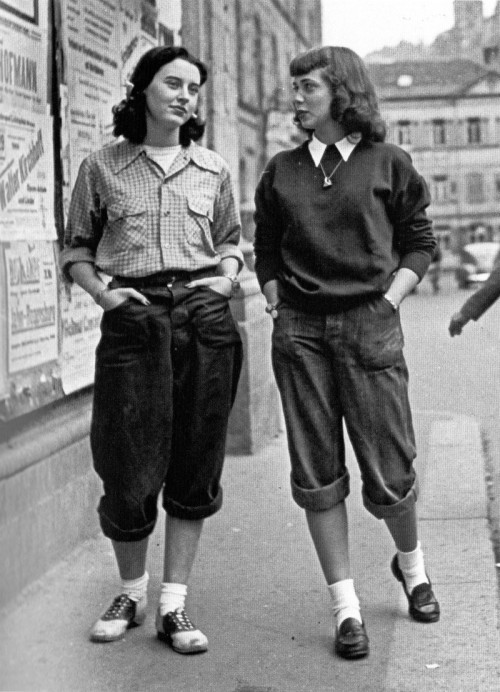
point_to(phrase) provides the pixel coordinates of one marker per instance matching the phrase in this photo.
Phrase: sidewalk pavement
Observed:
(258, 593)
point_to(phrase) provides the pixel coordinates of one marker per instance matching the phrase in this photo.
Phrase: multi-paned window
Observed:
(403, 132)
(438, 132)
(497, 186)
(474, 134)
(440, 188)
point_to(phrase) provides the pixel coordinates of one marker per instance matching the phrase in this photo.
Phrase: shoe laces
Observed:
(117, 608)
(181, 620)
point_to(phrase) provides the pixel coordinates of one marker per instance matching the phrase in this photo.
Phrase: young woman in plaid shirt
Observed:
(157, 212)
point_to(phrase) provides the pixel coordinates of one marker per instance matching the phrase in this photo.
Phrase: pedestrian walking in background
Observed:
(477, 304)
(434, 271)
(157, 213)
(342, 236)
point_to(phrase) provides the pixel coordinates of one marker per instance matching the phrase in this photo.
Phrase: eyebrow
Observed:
(179, 79)
(305, 78)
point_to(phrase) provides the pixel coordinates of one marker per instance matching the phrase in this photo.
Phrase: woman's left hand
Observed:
(219, 284)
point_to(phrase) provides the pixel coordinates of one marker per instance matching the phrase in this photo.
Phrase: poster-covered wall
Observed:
(63, 65)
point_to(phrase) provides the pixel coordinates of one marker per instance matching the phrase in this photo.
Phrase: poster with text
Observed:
(32, 305)
(80, 319)
(26, 177)
(23, 56)
(92, 59)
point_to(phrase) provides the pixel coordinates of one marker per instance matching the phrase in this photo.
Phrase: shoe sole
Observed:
(434, 617)
(105, 639)
(168, 640)
(352, 655)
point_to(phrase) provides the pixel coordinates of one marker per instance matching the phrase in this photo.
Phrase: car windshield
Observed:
(483, 255)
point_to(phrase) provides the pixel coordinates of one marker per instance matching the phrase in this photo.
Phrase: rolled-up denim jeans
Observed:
(346, 367)
(166, 378)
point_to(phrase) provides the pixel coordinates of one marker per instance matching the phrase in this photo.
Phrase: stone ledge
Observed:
(61, 431)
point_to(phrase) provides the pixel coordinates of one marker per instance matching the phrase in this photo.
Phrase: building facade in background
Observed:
(447, 116)
(442, 104)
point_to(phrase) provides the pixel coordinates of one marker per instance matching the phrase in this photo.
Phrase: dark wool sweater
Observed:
(336, 247)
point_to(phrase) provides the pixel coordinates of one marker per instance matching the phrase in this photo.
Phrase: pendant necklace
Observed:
(327, 182)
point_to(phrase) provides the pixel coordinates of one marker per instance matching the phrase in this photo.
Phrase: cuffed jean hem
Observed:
(321, 499)
(174, 509)
(396, 509)
(113, 532)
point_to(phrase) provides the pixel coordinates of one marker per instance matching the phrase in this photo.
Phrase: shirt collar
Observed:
(345, 146)
(126, 152)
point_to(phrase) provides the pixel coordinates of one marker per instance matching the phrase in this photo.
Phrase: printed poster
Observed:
(91, 40)
(32, 305)
(81, 319)
(23, 56)
(26, 177)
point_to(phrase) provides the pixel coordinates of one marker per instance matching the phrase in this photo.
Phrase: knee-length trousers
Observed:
(165, 380)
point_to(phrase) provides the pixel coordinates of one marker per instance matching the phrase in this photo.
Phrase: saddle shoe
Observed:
(122, 614)
(177, 630)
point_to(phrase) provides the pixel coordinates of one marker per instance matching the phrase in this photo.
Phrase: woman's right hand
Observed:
(113, 297)
(270, 291)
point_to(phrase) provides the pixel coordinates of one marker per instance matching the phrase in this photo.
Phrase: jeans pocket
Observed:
(379, 338)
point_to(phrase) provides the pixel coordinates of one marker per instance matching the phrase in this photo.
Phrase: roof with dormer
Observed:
(402, 80)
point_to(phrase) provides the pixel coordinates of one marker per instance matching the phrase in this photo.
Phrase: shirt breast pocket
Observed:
(128, 224)
(199, 219)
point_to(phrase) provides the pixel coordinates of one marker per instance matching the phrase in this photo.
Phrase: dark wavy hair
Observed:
(129, 116)
(354, 102)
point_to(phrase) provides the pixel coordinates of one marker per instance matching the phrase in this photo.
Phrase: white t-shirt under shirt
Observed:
(163, 156)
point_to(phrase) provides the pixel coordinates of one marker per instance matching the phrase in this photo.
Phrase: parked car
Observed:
(476, 263)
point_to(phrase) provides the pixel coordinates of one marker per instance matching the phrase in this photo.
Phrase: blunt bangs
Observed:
(308, 61)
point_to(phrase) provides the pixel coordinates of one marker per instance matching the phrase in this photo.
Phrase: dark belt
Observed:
(160, 279)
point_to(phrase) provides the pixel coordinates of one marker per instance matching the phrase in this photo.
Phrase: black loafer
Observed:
(352, 640)
(422, 604)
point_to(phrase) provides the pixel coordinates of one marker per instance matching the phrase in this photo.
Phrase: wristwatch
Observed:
(235, 284)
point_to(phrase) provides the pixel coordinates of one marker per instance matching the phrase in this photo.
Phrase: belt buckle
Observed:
(170, 281)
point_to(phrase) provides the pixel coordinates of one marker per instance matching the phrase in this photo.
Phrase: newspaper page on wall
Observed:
(28, 277)
(102, 40)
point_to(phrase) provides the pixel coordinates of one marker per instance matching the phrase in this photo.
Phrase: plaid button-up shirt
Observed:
(129, 218)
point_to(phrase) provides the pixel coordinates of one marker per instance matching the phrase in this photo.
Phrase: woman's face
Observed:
(172, 95)
(312, 99)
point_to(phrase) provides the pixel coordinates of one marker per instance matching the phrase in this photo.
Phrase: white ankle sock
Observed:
(136, 588)
(413, 567)
(344, 601)
(172, 596)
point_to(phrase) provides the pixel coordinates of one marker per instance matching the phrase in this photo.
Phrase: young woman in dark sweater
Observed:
(342, 236)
